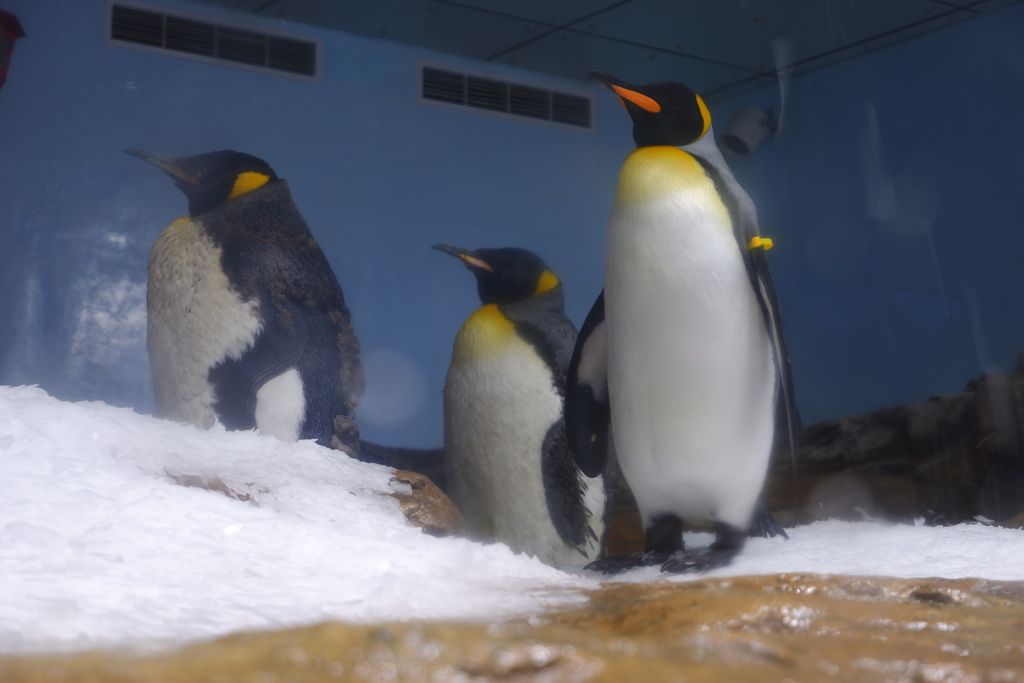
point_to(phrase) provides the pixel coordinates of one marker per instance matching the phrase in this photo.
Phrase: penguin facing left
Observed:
(247, 324)
(507, 462)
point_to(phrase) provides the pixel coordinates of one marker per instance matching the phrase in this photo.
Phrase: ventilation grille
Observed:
(185, 37)
(487, 95)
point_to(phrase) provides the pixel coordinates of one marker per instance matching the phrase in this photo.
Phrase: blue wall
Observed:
(894, 189)
(891, 193)
(378, 177)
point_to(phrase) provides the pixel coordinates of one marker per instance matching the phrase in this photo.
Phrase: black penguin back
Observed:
(269, 254)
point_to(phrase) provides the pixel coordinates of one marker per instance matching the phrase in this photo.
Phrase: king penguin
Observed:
(682, 356)
(247, 324)
(507, 462)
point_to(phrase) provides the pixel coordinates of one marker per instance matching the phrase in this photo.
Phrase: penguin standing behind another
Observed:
(683, 351)
(246, 321)
(507, 462)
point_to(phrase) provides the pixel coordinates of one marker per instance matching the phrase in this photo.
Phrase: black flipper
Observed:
(569, 515)
(587, 411)
(236, 381)
(741, 209)
(563, 484)
(307, 342)
(761, 278)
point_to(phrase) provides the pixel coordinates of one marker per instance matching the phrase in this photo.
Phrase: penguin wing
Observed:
(275, 257)
(761, 278)
(563, 487)
(276, 350)
(552, 337)
(587, 411)
(744, 214)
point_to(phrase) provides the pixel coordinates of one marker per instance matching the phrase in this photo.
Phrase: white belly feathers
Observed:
(499, 405)
(690, 370)
(195, 320)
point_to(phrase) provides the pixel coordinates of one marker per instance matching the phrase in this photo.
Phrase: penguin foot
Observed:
(617, 564)
(690, 562)
(729, 541)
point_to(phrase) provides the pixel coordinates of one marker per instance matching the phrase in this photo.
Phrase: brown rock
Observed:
(946, 460)
(746, 629)
(345, 436)
(1015, 522)
(243, 492)
(427, 506)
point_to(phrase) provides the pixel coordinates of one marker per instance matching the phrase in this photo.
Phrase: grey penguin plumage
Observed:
(683, 356)
(247, 324)
(507, 462)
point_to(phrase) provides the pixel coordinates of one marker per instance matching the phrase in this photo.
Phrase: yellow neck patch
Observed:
(547, 282)
(651, 173)
(247, 182)
(485, 333)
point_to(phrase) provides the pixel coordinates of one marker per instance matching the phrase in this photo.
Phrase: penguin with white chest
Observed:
(247, 324)
(507, 463)
(683, 356)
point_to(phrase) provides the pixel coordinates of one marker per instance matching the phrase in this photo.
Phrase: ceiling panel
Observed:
(463, 30)
(717, 46)
(574, 54)
(553, 12)
(742, 34)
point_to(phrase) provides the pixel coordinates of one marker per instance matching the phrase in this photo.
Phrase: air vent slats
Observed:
(295, 56)
(532, 102)
(444, 86)
(134, 26)
(569, 109)
(472, 93)
(193, 37)
(242, 46)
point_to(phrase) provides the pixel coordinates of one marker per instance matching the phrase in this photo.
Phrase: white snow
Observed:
(100, 547)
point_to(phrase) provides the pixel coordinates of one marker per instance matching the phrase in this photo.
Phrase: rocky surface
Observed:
(771, 628)
(947, 460)
(423, 503)
(426, 506)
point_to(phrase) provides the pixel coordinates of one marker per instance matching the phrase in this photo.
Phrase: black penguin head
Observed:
(666, 113)
(507, 275)
(209, 180)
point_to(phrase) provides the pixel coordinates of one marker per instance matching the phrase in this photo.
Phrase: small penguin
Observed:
(246, 321)
(507, 463)
(683, 354)
(10, 31)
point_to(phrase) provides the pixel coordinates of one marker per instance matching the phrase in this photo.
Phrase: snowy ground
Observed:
(99, 547)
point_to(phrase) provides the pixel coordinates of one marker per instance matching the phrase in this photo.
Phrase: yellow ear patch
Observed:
(546, 283)
(640, 100)
(756, 242)
(705, 114)
(247, 182)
